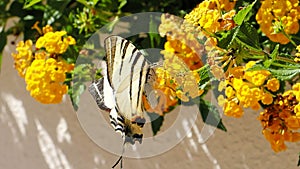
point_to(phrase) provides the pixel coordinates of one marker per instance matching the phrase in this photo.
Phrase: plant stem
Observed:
(258, 57)
(284, 66)
(284, 59)
(289, 37)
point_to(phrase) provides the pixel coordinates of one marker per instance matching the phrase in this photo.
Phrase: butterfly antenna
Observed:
(121, 158)
(118, 161)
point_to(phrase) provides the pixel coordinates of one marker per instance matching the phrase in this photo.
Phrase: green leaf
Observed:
(156, 122)
(204, 73)
(239, 18)
(275, 52)
(3, 4)
(268, 63)
(95, 2)
(241, 37)
(247, 34)
(285, 74)
(110, 26)
(210, 114)
(76, 91)
(29, 3)
(55, 10)
(98, 74)
(83, 2)
(1, 60)
(206, 79)
(122, 3)
(16, 9)
(257, 67)
(59, 5)
(81, 75)
(153, 35)
(226, 39)
(3, 41)
(273, 55)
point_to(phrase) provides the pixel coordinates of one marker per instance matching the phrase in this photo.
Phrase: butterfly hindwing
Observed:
(96, 90)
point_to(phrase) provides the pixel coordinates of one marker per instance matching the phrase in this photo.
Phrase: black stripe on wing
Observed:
(142, 79)
(110, 50)
(124, 49)
(138, 55)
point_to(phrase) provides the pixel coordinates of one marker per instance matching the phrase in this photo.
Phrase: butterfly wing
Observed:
(127, 71)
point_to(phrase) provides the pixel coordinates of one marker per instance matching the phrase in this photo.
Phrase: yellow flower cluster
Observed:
(24, 57)
(281, 120)
(208, 15)
(45, 80)
(55, 42)
(44, 70)
(277, 16)
(244, 89)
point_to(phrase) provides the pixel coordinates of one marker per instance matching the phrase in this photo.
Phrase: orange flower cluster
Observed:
(281, 120)
(297, 55)
(178, 78)
(209, 17)
(183, 43)
(276, 17)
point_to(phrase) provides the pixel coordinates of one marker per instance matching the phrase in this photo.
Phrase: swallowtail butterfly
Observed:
(128, 77)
